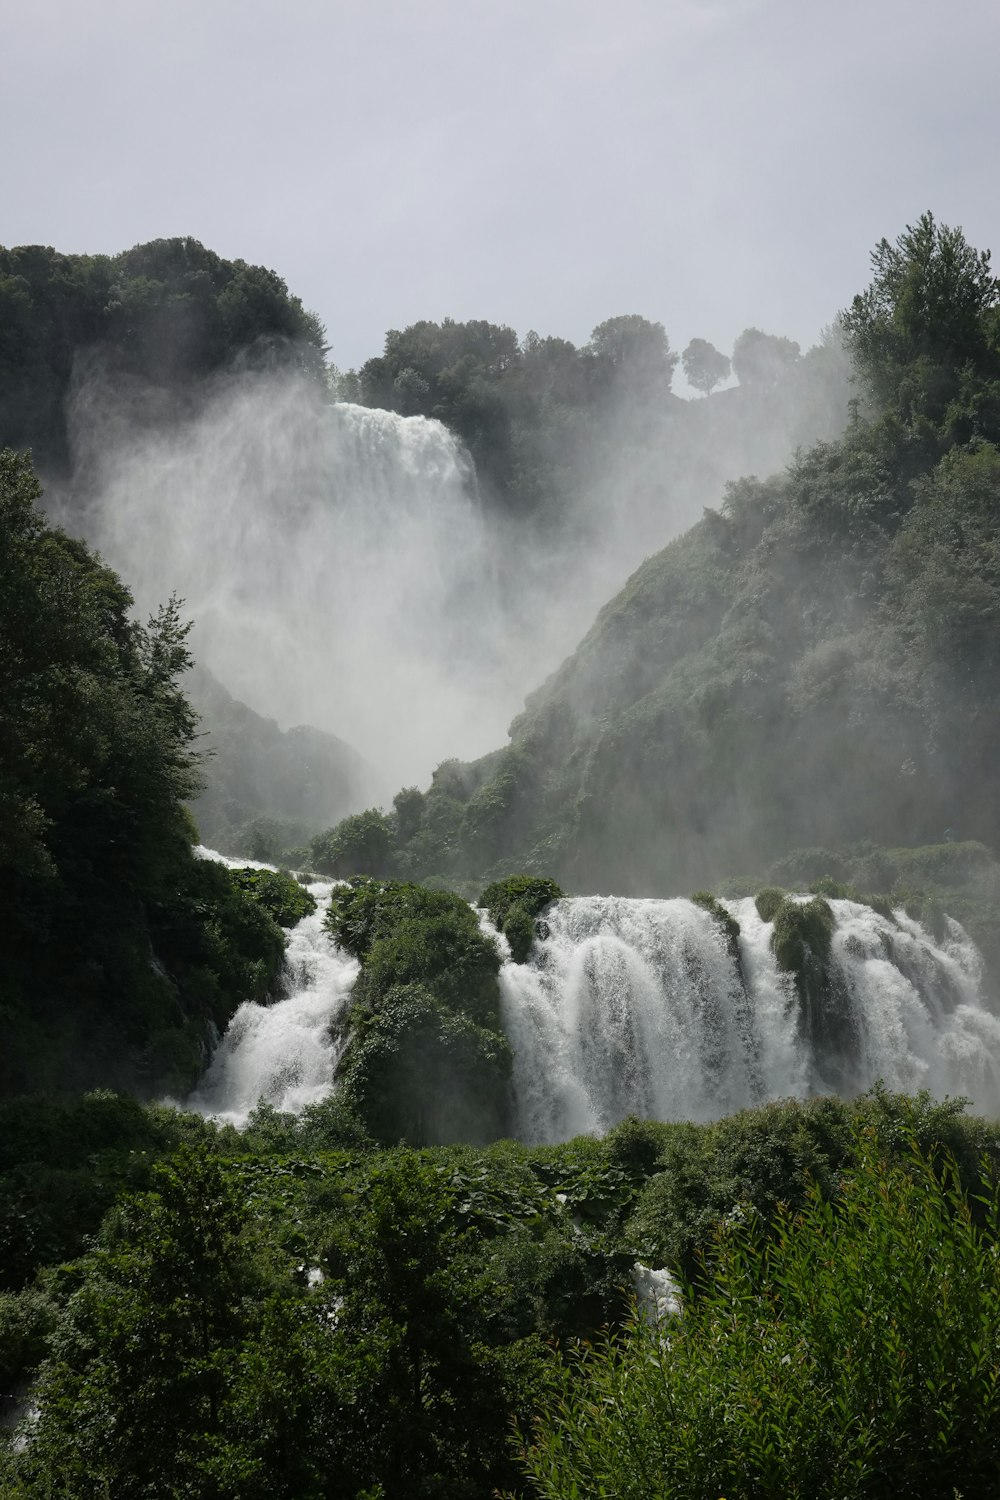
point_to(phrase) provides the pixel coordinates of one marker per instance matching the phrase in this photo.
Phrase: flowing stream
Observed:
(645, 1007)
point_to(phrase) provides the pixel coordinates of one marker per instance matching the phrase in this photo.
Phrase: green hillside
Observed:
(813, 664)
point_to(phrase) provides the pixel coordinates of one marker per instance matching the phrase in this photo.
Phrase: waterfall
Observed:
(283, 1054)
(335, 560)
(642, 1007)
(646, 1007)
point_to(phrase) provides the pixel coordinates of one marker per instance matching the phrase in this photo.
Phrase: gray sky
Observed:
(544, 163)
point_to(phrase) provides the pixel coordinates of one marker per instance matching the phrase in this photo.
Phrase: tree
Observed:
(187, 1362)
(359, 845)
(634, 349)
(704, 366)
(761, 359)
(931, 308)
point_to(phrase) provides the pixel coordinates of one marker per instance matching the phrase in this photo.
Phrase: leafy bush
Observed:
(362, 844)
(278, 892)
(803, 931)
(519, 930)
(725, 919)
(768, 902)
(531, 893)
(844, 1352)
(513, 904)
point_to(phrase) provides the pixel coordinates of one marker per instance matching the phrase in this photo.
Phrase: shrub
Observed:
(418, 1072)
(843, 1353)
(532, 893)
(278, 892)
(519, 930)
(768, 901)
(803, 931)
(513, 904)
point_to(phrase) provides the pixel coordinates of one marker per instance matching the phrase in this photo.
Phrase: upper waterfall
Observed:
(335, 559)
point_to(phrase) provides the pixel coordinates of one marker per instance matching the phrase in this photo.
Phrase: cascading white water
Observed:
(640, 1007)
(283, 1054)
(335, 560)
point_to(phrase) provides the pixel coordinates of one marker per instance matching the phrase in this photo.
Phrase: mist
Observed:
(344, 567)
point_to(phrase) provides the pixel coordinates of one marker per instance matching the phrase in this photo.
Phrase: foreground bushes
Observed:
(850, 1350)
(191, 1348)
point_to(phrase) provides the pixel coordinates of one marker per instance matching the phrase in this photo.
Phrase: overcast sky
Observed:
(543, 163)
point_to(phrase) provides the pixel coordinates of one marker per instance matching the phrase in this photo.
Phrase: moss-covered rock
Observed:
(728, 923)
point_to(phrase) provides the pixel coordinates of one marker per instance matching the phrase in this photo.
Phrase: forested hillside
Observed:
(813, 664)
(265, 789)
(169, 312)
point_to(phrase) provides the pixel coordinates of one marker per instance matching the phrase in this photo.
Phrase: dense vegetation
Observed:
(814, 664)
(121, 950)
(427, 1060)
(334, 1321)
(847, 1350)
(169, 313)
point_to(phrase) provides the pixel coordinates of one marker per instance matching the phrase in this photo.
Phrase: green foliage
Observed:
(278, 892)
(761, 359)
(929, 313)
(120, 946)
(170, 312)
(193, 1345)
(845, 1350)
(360, 845)
(513, 905)
(768, 902)
(802, 932)
(220, 1400)
(519, 930)
(426, 1059)
(418, 1071)
(809, 667)
(725, 919)
(531, 893)
(704, 366)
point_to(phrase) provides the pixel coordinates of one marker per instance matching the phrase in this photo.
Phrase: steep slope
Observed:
(813, 663)
(266, 789)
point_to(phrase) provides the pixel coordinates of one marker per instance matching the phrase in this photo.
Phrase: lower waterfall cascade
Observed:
(646, 1007)
(282, 1054)
(631, 1006)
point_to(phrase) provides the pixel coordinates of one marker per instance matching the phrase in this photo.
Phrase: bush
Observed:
(803, 931)
(513, 904)
(533, 894)
(847, 1352)
(278, 892)
(362, 844)
(768, 901)
(519, 930)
